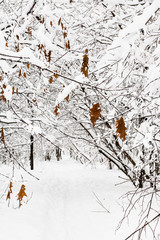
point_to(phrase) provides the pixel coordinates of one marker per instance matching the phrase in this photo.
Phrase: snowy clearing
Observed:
(65, 204)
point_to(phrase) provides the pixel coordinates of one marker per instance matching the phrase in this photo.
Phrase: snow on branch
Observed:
(140, 21)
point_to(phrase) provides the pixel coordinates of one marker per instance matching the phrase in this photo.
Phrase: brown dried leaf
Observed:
(84, 68)
(4, 99)
(28, 65)
(67, 98)
(2, 136)
(51, 80)
(29, 31)
(68, 45)
(65, 34)
(51, 23)
(35, 102)
(55, 74)
(49, 56)
(24, 75)
(9, 191)
(42, 20)
(20, 72)
(18, 47)
(56, 110)
(95, 113)
(121, 129)
(21, 194)
(17, 91)
(13, 90)
(59, 21)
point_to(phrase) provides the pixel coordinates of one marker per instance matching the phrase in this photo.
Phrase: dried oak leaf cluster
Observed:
(95, 113)
(65, 34)
(84, 68)
(21, 193)
(121, 129)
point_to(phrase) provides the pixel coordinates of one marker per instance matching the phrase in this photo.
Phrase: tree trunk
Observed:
(31, 153)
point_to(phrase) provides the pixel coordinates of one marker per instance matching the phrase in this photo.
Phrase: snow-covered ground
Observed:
(65, 204)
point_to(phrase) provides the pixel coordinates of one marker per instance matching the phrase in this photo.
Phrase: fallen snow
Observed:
(62, 204)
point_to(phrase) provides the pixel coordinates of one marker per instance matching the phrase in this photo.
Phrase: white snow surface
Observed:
(62, 205)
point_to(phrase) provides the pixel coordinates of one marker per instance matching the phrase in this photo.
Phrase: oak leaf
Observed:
(67, 98)
(13, 90)
(68, 45)
(4, 99)
(9, 191)
(84, 68)
(20, 73)
(51, 80)
(29, 31)
(2, 136)
(95, 113)
(65, 34)
(21, 194)
(18, 47)
(121, 129)
(55, 74)
(56, 110)
(59, 21)
(49, 56)
(42, 20)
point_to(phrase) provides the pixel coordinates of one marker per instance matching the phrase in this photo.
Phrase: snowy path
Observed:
(63, 206)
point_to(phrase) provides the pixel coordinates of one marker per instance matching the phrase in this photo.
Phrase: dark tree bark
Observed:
(31, 153)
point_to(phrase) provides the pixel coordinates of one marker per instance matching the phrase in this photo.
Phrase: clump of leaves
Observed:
(21, 194)
(95, 113)
(84, 68)
(121, 129)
